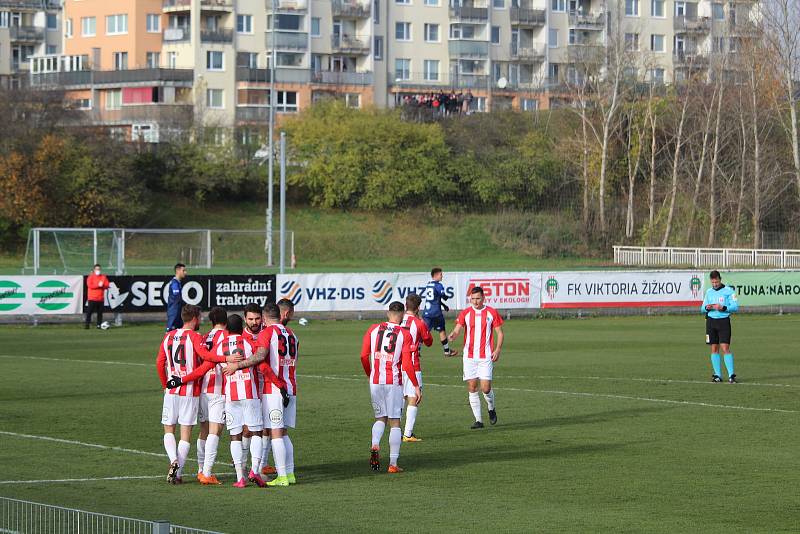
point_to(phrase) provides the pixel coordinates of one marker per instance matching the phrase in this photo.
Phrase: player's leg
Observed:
(216, 418)
(289, 421)
(169, 418)
(99, 311)
(234, 421)
(246, 435)
(440, 325)
(471, 378)
(202, 417)
(279, 452)
(411, 409)
(266, 442)
(712, 338)
(254, 424)
(394, 406)
(184, 446)
(488, 396)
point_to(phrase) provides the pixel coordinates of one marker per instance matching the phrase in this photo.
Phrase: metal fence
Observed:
(24, 517)
(707, 257)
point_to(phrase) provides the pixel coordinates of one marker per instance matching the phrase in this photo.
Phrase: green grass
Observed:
(583, 443)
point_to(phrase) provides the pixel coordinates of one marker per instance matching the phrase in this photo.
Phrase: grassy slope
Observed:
(556, 462)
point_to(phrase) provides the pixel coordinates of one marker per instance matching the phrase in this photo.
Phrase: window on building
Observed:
(153, 23)
(553, 72)
(402, 69)
(83, 103)
(558, 5)
(247, 59)
(286, 102)
(378, 48)
(215, 98)
(499, 4)
(153, 60)
(286, 22)
(52, 21)
(632, 42)
(571, 36)
(315, 26)
(717, 11)
(432, 3)
(116, 24)
(120, 60)
(680, 9)
(376, 11)
(432, 33)
(495, 34)
(403, 2)
(5, 17)
(51, 49)
(215, 60)
(114, 99)
(402, 31)
(657, 8)
(244, 23)
(172, 59)
(552, 38)
(657, 75)
(718, 44)
(632, 8)
(656, 43)
(529, 104)
(68, 28)
(431, 70)
(352, 100)
(88, 26)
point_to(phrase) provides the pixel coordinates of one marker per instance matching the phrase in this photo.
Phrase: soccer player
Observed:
(385, 348)
(279, 395)
(212, 403)
(96, 287)
(180, 355)
(419, 334)
(481, 323)
(253, 322)
(175, 299)
(242, 404)
(720, 302)
(433, 309)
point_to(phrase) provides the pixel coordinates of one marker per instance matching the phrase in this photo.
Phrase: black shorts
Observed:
(434, 323)
(718, 331)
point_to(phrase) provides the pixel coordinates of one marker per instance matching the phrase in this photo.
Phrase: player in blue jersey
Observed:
(175, 298)
(719, 304)
(433, 309)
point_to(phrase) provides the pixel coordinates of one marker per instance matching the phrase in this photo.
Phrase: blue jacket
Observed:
(174, 305)
(725, 295)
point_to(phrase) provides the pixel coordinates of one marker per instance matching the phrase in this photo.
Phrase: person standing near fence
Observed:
(175, 299)
(720, 302)
(96, 287)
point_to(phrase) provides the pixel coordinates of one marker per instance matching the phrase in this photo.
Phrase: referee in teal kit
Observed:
(719, 304)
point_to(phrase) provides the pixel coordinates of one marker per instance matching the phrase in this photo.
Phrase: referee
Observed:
(719, 304)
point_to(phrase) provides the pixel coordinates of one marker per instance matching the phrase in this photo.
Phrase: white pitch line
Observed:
(90, 445)
(137, 364)
(656, 380)
(96, 479)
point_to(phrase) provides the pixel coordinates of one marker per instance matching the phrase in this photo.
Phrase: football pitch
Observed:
(605, 424)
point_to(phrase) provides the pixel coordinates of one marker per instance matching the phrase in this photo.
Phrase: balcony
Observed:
(469, 13)
(88, 78)
(292, 75)
(350, 9)
(26, 34)
(348, 44)
(692, 24)
(690, 58)
(159, 113)
(221, 35)
(30, 5)
(341, 78)
(249, 74)
(462, 48)
(80, 78)
(252, 114)
(178, 34)
(532, 52)
(287, 6)
(585, 51)
(419, 80)
(173, 6)
(288, 40)
(527, 18)
(587, 21)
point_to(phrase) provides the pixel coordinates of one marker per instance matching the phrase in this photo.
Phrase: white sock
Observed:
(475, 404)
(245, 451)
(255, 452)
(411, 418)
(236, 454)
(267, 446)
(279, 454)
(287, 443)
(201, 453)
(171, 447)
(211, 445)
(183, 453)
(489, 399)
(395, 439)
(377, 433)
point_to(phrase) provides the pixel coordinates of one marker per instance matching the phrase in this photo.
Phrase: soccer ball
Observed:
(105, 325)
(302, 321)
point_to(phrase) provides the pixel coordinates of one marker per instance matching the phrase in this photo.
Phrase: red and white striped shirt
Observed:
(178, 355)
(387, 346)
(479, 328)
(419, 334)
(252, 337)
(282, 346)
(243, 384)
(213, 380)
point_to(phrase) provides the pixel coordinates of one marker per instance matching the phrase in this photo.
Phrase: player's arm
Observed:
(366, 349)
(731, 303)
(408, 366)
(197, 373)
(458, 327)
(259, 356)
(424, 333)
(161, 366)
(706, 306)
(498, 345)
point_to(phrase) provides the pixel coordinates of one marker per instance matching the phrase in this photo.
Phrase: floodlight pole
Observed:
(271, 127)
(283, 202)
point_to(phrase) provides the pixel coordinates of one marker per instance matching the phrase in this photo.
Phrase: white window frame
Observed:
(318, 33)
(284, 107)
(663, 5)
(426, 70)
(119, 60)
(491, 35)
(653, 42)
(149, 19)
(634, 8)
(428, 28)
(172, 60)
(502, 4)
(85, 21)
(680, 5)
(403, 2)
(406, 31)
(378, 48)
(68, 28)
(632, 44)
(47, 21)
(116, 102)
(431, 3)
(406, 71)
(118, 22)
(5, 19)
(210, 93)
(247, 24)
(560, 6)
(550, 33)
(153, 55)
(210, 56)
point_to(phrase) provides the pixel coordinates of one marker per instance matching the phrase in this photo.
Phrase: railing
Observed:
(287, 5)
(249, 74)
(224, 5)
(221, 35)
(690, 57)
(469, 13)
(341, 78)
(180, 33)
(464, 48)
(26, 33)
(350, 44)
(687, 24)
(587, 20)
(536, 52)
(26, 516)
(419, 80)
(161, 113)
(87, 77)
(288, 40)
(35, 5)
(61, 79)
(527, 17)
(706, 257)
(350, 9)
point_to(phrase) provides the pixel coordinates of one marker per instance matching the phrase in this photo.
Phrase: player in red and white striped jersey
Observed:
(212, 403)
(181, 356)
(252, 326)
(242, 404)
(385, 349)
(481, 324)
(419, 334)
(279, 393)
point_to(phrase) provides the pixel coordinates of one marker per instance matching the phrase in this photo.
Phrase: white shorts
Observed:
(245, 412)
(478, 368)
(387, 400)
(179, 410)
(408, 387)
(275, 414)
(212, 408)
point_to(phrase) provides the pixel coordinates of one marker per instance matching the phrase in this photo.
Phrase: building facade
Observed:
(27, 28)
(150, 64)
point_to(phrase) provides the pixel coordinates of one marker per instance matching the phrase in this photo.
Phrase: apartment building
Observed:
(27, 28)
(149, 65)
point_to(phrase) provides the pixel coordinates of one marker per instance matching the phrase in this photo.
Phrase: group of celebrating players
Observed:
(241, 374)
